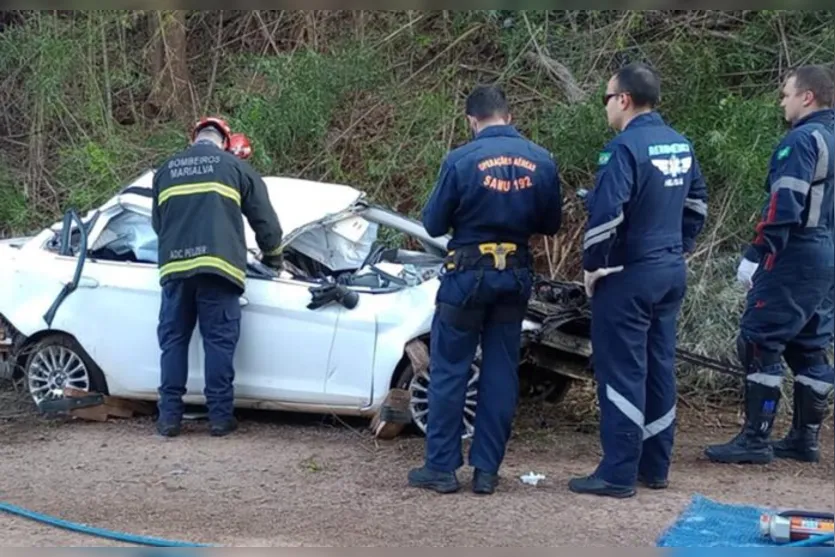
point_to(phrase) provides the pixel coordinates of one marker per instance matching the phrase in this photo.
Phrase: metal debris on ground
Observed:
(195, 416)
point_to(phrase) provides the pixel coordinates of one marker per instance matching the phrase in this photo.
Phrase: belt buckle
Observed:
(449, 261)
(499, 252)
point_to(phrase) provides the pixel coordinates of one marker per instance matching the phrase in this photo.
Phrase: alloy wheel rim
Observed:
(52, 369)
(419, 401)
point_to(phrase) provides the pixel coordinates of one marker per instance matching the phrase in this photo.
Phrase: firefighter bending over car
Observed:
(648, 206)
(199, 196)
(494, 193)
(789, 269)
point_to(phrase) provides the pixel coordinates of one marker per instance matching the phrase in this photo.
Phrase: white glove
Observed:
(589, 278)
(745, 272)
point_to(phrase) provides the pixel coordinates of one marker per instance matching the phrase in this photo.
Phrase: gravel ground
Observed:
(286, 480)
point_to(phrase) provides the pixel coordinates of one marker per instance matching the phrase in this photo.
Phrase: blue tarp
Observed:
(707, 523)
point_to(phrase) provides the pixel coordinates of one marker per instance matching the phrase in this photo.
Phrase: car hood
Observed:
(15, 242)
(299, 204)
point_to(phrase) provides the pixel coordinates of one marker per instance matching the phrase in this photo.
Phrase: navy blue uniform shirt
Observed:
(800, 184)
(649, 197)
(499, 187)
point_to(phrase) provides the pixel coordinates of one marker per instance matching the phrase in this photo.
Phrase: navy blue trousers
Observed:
(633, 333)
(789, 313)
(452, 351)
(215, 303)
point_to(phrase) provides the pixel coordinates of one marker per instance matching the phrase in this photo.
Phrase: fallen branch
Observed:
(556, 70)
(733, 38)
(559, 73)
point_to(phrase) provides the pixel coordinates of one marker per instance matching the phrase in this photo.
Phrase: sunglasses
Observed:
(608, 97)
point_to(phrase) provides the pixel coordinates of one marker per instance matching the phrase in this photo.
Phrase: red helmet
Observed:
(218, 123)
(240, 146)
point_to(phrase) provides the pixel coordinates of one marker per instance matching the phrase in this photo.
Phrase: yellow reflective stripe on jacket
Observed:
(203, 261)
(203, 187)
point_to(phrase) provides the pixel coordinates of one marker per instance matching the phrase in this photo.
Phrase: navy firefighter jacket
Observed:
(499, 187)
(649, 197)
(200, 198)
(800, 210)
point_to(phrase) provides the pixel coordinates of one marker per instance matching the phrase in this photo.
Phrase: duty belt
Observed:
(492, 255)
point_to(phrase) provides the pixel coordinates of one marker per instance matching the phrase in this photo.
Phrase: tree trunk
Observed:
(171, 94)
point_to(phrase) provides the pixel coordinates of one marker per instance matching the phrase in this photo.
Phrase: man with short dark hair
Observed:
(201, 195)
(647, 208)
(789, 269)
(495, 192)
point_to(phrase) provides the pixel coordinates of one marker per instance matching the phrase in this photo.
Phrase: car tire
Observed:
(80, 371)
(418, 389)
(538, 384)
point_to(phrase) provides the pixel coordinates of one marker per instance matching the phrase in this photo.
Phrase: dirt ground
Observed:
(289, 480)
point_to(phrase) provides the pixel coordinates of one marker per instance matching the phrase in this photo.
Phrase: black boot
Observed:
(223, 428)
(426, 478)
(169, 428)
(593, 485)
(484, 483)
(751, 444)
(801, 443)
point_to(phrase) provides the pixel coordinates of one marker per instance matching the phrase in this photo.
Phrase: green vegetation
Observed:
(374, 99)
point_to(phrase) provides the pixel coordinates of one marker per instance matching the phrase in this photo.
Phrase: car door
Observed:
(284, 347)
(114, 311)
(350, 370)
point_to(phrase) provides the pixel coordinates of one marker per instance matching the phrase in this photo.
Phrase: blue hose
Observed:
(815, 541)
(93, 531)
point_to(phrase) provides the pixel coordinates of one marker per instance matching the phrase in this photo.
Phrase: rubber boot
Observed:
(751, 446)
(801, 443)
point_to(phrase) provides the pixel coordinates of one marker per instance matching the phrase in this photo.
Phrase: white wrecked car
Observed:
(79, 308)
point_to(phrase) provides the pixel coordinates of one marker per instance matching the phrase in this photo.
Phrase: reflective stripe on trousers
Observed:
(637, 417)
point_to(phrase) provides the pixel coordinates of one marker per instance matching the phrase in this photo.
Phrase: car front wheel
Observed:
(56, 362)
(418, 387)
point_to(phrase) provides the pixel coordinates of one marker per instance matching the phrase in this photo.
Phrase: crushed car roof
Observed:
(297, 202)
